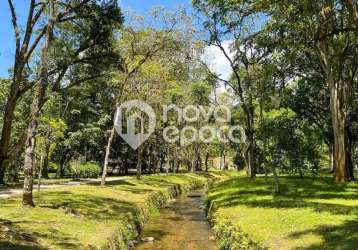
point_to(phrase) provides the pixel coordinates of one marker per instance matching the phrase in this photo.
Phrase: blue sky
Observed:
(7, 35)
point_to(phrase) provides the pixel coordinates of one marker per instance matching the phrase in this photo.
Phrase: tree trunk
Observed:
(250, 160)
(139, 163)
(46, 158)
(350, 151)
(300, 171)
(175, 163)
(222, 158)
(106, 158)
(161, 163)
(341, 160)
(37, 103)
(3, 167)
(6, 131)
(31, 142)
(178, 162)
(14, 158)
(61, 167)
(198, 164)
(40, 172)
(193, 164)
(28, 163)
(251, 144)
(331, 157)
(276, 180)
(206, 162)
(150, 162)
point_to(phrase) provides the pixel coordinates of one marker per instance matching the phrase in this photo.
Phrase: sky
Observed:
(217, 62)
(145, 5)
(7, 42)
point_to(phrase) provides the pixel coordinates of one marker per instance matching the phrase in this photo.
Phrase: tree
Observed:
(51, 130)
(324, 27)
(140, 44)
(102, 17)
(229, 23)
(36, 106)
(26, 45)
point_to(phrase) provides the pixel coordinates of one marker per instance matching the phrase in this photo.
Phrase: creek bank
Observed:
(227, 234)
(90, 216)
(127, 234)
(182, 224)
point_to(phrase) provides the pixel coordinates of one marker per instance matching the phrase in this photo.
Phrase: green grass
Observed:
(89, 216)
(308, 214)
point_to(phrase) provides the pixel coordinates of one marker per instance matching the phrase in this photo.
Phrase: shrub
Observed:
(52, 167)
(85, 170)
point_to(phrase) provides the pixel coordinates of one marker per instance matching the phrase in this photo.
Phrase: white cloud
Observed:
(219, 64)
(216, 60)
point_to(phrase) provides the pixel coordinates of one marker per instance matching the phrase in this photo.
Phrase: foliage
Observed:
(85, 170)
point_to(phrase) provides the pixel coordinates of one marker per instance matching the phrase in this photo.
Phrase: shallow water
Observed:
(181, 225)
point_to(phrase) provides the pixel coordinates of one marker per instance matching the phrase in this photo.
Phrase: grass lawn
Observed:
(308, 214)
(86, 216)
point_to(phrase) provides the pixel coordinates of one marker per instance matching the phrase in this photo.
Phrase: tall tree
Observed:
(37, 103)
(227, 25)
(324, 26)
(25, 45)
(101, 20)
(23, 77)
(141, 43)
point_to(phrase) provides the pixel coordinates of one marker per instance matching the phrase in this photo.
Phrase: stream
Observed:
(181, 225)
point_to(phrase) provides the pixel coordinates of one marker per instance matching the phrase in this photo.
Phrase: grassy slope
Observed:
(86, 216)
(309, 214)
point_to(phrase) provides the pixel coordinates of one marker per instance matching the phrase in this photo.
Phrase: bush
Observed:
(85, 170)
(52, 167)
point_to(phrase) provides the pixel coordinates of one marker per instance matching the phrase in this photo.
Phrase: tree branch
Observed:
(29, 26)
(15, 26)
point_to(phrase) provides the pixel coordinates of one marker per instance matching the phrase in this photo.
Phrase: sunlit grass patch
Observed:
(308, 214)
(85, 216)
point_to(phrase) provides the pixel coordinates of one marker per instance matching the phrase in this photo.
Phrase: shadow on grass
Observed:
(110, 183)
(344, 237)
(22, 234)
(81, 204)
(18, 246)
(318, 194)
(16, 237)
(89, 206)
(294, 193)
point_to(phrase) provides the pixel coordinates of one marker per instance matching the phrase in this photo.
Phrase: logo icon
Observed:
(135, 121)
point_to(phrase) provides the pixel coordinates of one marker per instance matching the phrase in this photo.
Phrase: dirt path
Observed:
(7, 193)
(181, 225)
